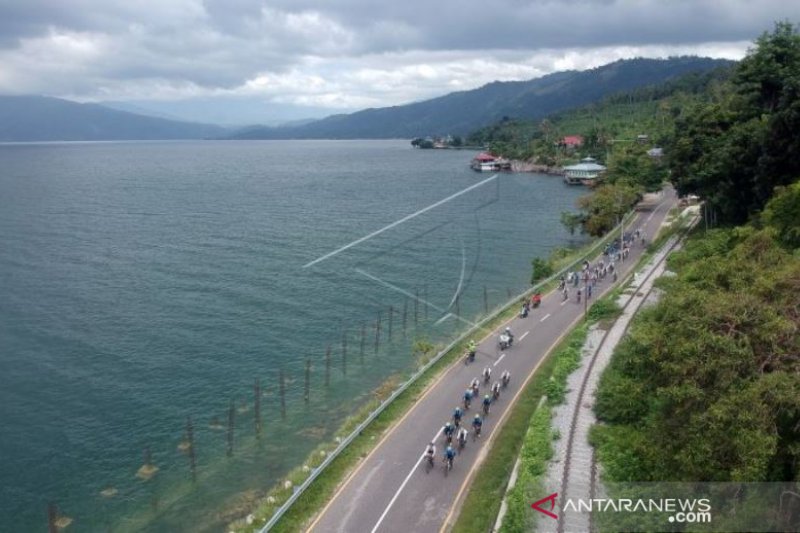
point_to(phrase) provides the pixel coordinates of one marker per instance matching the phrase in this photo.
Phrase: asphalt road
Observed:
(391, 490)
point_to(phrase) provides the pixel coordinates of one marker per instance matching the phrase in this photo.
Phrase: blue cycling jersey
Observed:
(449, 454)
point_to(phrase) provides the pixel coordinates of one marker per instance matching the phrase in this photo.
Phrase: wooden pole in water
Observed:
(391, 319)
(416, 306)
(485, 301)
(405, 313)
(308, 380)
(283, 394)
(377, 332)
(344, 350)
(363, 340)
(257, 406)
(192, 456)
(231, 415)
(52, 518)
(328, 366)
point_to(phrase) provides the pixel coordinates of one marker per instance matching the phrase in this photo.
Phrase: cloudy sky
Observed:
(230, 60)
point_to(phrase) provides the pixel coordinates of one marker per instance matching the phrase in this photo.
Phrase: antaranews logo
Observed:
(552, 500)
(680, 510)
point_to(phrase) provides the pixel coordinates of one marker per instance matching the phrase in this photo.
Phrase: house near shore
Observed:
(587, 172)
(570, 142)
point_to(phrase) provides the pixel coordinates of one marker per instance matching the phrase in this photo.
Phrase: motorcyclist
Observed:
(537, 299)
(510, 335)
(477, 423)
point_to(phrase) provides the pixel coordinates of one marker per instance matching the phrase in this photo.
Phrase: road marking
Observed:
(403, 485)
(499, 358)
(398, 222)
(565, 301)
(545, 317)
(523, 335)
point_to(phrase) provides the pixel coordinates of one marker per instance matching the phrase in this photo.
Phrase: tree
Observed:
(783, 213)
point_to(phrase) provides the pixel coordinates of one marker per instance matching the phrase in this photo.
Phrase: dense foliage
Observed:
(707, 385)
(734, 152)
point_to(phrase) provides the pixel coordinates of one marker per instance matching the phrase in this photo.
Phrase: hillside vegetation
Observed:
(706, 387)
(461, 112)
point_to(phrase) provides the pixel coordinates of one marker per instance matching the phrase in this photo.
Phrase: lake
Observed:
(142, 283)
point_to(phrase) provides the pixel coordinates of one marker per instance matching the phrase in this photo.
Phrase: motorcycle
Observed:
(505, 342)
(537, 300)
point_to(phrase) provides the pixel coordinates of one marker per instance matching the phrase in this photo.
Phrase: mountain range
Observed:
(38, 118)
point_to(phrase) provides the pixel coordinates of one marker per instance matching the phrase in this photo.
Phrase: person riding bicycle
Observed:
(448, 430)
(430, 453)
(462, 437)
(487, 401)
(476, 385)
(487, 374)
(506, 377)
(467, 398)
(496, 390)
(449, 455)
(579, 296)
(477, 423)
(457, 413)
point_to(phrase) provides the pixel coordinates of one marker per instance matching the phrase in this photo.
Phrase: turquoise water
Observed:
(141, 283)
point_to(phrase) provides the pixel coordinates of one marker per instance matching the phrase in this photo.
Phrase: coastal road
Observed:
(390, 490)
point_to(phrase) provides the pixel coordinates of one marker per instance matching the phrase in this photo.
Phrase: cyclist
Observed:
(448, 430)
(496, 390)
(476, 385)
(487, 401)
(579, 296)
(467, 398)
(477, 422)
(506, 377)
(472, 349)
(462, 438)
(487, 375)
(430, 452)
(449, 455)
(457, 412)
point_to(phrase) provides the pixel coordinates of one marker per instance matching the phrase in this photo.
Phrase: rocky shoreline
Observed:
(528, 166)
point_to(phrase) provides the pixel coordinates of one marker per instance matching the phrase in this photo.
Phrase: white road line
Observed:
(565, 301)
(396, 494)
(499, 358)
(445, 317)
(545, 317)
(523, 335)
(398, 222)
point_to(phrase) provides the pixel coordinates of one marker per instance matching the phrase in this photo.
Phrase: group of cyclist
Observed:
(454, 431)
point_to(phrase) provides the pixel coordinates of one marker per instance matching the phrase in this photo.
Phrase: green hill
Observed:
(461, 112)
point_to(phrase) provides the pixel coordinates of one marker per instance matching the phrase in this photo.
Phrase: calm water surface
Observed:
(143, 283)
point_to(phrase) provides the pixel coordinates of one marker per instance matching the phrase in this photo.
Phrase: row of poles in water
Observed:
(188, 446)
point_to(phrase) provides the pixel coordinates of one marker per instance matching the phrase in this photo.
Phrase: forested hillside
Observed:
(461, 112)
(706, 387)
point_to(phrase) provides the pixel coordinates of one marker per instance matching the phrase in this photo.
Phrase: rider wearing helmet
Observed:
(457, 412)
(462, 436)
(448, 430)
(487, 401)
(477, 422)
(510, 335)
(430, 451)
(449, 454)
